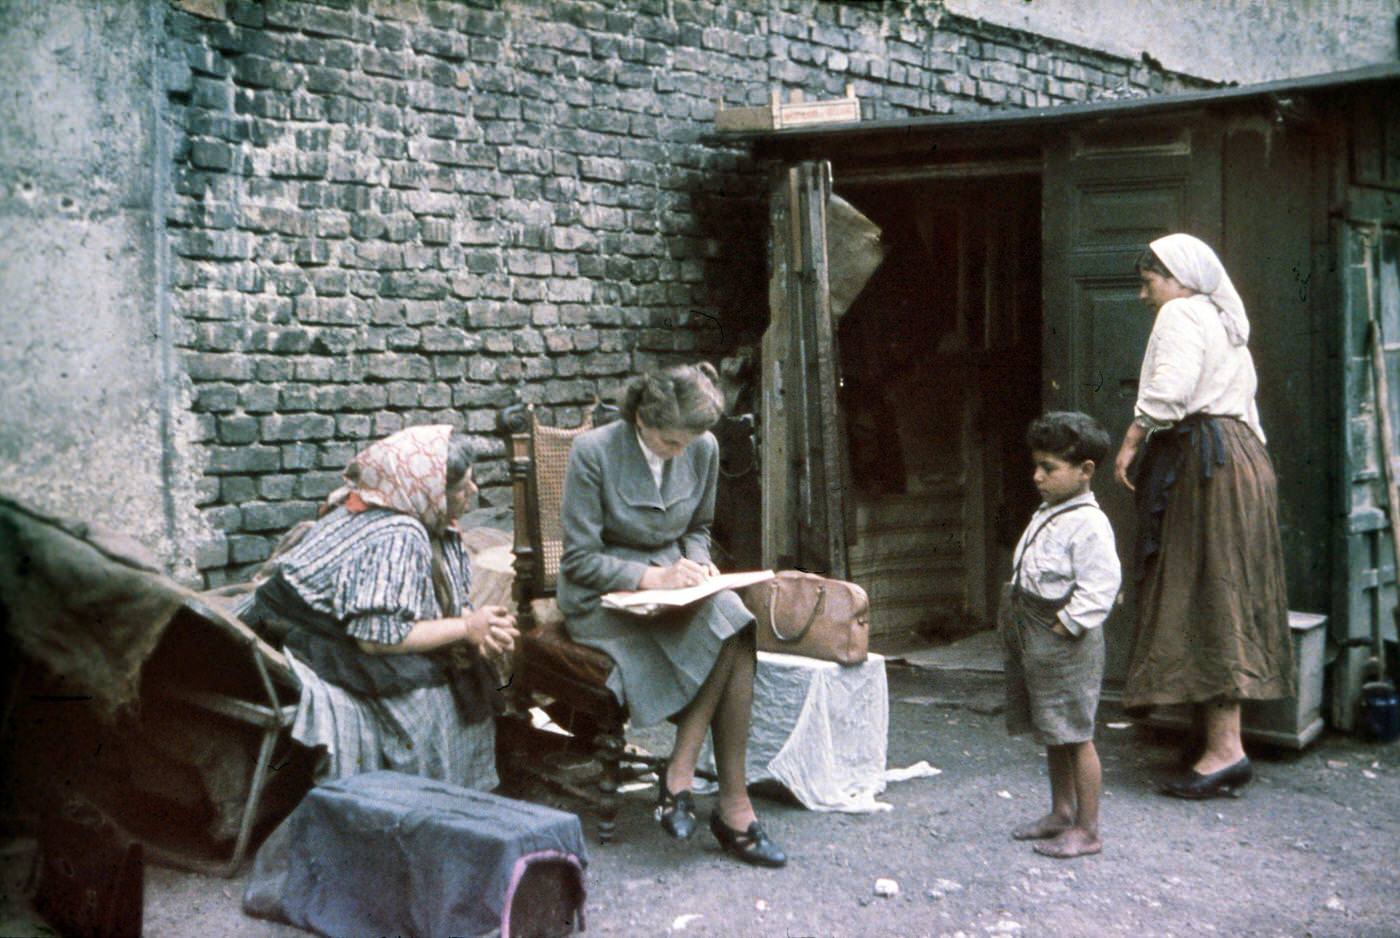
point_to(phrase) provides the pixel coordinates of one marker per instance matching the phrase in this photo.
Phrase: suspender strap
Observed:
(1016, 576)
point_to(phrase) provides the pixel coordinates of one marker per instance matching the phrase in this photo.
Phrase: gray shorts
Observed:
(1052, 681)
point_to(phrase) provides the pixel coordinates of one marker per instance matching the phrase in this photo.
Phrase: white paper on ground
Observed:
(920, 769)
(649, 602)
(542, 721)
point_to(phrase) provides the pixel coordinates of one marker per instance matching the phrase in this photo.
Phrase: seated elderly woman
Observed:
(371, 599)
(639, 497)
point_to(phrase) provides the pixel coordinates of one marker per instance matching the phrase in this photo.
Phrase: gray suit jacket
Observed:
(615, 520)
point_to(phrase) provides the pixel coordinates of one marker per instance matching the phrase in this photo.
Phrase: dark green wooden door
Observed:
(1107, 194)
(1369, 242)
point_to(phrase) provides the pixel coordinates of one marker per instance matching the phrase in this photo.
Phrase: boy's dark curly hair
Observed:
(1070, 435)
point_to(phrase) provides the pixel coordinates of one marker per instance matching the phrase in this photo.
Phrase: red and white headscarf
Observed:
(405, 472)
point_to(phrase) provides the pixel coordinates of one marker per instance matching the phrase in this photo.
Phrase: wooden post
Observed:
(514, 424)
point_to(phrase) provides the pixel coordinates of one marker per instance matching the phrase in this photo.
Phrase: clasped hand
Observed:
(491, 630)
(684, 572)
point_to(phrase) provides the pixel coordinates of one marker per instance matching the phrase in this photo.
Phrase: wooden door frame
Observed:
(1366, 579)
(804, 459)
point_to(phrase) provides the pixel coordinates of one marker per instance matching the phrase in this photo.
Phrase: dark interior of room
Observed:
(940, 374)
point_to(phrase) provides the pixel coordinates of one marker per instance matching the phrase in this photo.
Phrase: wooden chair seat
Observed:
(548, 650)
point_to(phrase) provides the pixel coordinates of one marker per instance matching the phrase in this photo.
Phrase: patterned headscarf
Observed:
(1196, 267)
(405, 472)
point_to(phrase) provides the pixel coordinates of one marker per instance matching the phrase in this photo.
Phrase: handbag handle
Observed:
(773, 619)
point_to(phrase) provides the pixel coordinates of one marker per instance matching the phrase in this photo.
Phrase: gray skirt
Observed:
(663, 659)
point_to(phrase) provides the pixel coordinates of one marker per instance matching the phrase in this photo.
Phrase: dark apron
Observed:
(320, 642)
(1158, 471)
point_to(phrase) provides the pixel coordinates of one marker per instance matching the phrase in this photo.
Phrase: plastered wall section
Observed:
(89, 414)
(1241, 41)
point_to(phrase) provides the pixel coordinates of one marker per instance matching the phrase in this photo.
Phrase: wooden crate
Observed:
(795, 112)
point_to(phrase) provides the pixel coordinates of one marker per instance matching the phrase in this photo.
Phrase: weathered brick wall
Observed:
(389, 213)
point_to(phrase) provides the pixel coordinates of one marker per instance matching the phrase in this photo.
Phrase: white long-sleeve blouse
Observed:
(1190, 367)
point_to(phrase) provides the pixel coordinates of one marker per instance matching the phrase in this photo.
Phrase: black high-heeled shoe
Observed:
(1224, 783)
(751, 846)
(675, 811)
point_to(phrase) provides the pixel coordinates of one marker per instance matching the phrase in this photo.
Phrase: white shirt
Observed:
(655, 463)
(1075, 554)
(1190, 367)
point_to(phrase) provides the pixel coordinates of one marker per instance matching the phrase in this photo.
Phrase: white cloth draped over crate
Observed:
(820, 730)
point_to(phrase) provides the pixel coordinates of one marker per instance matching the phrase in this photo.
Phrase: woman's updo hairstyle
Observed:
(680, 397)
(1148, 261)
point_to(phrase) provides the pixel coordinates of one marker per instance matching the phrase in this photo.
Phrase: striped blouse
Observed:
(372, 570)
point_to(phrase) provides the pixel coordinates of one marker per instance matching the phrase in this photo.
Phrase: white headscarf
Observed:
(1196, 267)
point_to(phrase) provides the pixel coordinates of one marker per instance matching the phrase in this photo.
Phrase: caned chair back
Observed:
(550, 458)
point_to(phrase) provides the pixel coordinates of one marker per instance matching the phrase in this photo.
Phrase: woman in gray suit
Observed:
(639, 497)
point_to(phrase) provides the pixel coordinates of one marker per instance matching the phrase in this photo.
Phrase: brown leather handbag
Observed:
(805, 614)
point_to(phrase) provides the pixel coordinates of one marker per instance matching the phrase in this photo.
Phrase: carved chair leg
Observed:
(610, 750)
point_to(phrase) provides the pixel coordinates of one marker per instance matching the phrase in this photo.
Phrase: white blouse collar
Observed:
(654, 462)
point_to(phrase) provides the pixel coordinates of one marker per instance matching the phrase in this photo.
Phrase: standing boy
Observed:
(1065, 579)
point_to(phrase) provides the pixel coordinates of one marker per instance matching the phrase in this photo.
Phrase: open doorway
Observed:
(940, 364)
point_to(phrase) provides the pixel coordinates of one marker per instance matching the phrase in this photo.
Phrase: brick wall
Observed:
(391, 213)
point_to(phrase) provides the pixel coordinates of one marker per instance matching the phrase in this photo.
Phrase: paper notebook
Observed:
(650, 602)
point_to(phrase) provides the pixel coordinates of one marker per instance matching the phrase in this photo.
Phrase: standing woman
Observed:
(1212, 617)
(639, 497)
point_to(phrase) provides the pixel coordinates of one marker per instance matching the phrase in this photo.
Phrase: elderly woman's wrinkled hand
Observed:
(1122, 465)
(1123, 462)
(491, 630)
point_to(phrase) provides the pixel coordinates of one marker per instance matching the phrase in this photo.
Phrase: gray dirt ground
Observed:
(1311, 848)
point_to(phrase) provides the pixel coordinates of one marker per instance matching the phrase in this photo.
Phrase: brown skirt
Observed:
(1212, 610)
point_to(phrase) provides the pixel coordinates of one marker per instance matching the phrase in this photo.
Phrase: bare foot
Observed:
(1072, 842)
(1052, 825)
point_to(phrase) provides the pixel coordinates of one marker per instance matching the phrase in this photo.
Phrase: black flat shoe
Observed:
(1225, 783)
(675, 812)
(751, 846)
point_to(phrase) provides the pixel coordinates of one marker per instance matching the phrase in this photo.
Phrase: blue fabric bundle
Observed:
(386, 853)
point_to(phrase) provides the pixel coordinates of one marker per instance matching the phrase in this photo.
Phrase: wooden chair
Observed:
(566, 679)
